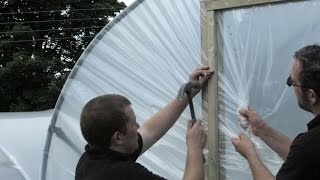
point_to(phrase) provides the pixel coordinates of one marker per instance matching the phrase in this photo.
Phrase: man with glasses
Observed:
(302, 155)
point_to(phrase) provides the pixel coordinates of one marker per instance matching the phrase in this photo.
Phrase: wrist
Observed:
(263, 130)
(252, 156)
(194, 149)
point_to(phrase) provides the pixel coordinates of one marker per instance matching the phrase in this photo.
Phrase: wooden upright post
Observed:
(210, 95)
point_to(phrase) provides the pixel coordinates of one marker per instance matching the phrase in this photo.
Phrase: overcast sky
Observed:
(127, 2)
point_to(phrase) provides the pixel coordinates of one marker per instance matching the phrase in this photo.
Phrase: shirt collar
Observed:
(314, 122)
(107, 153)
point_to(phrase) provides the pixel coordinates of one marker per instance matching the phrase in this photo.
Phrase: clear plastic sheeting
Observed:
(146, 53)
(256, 46)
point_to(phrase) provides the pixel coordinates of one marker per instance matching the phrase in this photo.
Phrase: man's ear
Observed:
(313, 97)
(116, 139)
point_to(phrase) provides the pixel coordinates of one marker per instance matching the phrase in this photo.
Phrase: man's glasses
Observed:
(291, 83)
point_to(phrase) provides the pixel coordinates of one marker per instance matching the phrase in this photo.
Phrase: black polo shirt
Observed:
(112, 165)
(303, 161)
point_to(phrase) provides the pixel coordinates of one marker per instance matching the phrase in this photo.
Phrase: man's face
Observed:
(131, 136)
(301, 97)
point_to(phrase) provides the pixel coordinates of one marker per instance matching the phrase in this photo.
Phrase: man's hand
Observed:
(196, 137)
(196, 142)
(244, 146)
(277, 141)
(200, 76)
(257, 123)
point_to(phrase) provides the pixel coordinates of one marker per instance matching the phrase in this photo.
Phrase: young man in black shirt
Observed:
(116, 140)
(301, 156)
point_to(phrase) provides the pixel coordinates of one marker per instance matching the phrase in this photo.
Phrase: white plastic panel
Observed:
(9, 168)
(22, 137)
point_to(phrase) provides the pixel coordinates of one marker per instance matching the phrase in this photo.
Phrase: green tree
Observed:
(40, 41)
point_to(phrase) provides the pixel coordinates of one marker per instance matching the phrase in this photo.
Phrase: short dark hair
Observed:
(101, 117)
(309, 58)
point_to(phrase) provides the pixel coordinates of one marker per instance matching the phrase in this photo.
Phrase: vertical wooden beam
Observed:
(204, 61)
(210, 94)
(213, 134)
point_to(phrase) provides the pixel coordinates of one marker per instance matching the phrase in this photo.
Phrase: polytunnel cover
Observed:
(148, 51)
(145, 54)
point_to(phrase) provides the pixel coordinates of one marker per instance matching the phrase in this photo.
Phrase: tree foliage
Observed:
(40, 41)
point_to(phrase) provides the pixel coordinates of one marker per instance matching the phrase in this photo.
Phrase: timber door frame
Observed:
(209, 56)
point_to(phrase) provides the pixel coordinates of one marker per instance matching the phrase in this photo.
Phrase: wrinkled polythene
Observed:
(148, 51)
(145, 54)
(256, 47)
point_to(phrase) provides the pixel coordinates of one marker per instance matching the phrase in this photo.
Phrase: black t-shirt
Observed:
(108, 164)
(303, 161)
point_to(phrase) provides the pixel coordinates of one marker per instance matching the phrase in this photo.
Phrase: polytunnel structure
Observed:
(147, 52)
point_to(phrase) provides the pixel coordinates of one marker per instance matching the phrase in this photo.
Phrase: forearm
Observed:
(258, 169)
(153, 129)
(194, 169)
(277, 141)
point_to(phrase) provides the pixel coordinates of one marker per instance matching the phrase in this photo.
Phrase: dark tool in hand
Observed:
(187, 88)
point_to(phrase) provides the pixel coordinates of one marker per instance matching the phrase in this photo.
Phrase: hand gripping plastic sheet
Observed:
(147, 52)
